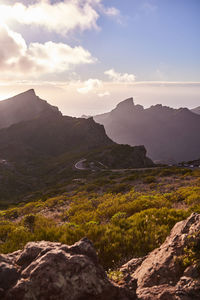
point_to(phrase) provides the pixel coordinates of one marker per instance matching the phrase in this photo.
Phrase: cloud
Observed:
(104, 94)
(120, 77)
(111, 11)
(16, 58)
(60, 17)
(149, 8)
(90, 85)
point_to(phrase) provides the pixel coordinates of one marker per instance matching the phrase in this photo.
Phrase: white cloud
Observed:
(90, 85)
(16, 58)
(120, 77)
(104, 94)
(111, 11)
(60, 17)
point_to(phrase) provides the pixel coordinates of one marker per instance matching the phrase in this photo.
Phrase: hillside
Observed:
(42, 151)
(169, 135)
(126, 215)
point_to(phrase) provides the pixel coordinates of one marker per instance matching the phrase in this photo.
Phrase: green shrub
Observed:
(149, 179)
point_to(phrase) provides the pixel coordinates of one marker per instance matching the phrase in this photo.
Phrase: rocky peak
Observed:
(30, 92)
(128, 103)
(23, 107)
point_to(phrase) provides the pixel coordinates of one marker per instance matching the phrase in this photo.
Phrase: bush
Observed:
(149, 179)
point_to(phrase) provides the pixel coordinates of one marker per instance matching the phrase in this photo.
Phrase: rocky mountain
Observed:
(196, 110)
(169, 135)
(43, 143)
(51, 135)
(23, 107)
(41, 130)
(46, 270)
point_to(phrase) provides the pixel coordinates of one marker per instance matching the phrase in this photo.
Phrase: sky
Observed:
(85, 56)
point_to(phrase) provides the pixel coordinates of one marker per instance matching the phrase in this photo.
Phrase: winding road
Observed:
(79, 165)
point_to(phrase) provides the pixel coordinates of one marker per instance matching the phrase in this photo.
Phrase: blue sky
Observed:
(156, 40)
(95, 53)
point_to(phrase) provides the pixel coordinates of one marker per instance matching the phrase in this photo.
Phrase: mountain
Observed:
(44, 146)
(196, 110)
(23, 107)
(168, 134)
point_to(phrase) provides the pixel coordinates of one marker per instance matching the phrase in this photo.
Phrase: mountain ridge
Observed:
(23, 107)
(168, 134)
(45, 146)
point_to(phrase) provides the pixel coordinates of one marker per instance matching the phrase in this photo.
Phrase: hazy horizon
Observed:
(143, 94)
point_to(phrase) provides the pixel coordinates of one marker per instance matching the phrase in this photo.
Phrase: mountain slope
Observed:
(44, 149)
(196, 110)
(23, 107)
(168, 134)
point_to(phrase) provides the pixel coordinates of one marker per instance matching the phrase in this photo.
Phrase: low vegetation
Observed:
(125, 214)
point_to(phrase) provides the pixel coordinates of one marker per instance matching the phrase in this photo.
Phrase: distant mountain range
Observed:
(196, 110)
(169, 135)
(39, 145)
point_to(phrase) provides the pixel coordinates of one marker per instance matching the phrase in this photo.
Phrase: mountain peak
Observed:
(30, 92)
(126, 103)
(23, 107)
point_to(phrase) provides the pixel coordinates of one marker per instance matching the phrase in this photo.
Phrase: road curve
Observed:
(79, 164)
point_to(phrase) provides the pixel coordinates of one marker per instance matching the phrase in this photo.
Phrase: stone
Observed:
(54, 271)
(161, 276)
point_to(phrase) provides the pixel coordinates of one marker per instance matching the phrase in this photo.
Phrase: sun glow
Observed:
(5, 96)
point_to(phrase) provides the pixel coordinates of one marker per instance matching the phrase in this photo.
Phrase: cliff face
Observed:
(52, 135)
(23, 107)
(46, 270)
(168, 134)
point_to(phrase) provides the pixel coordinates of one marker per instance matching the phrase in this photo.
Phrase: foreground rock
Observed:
(48, 271)
(161, 275)
(52, 271)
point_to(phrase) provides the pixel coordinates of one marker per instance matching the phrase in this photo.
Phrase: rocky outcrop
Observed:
(161, 275)
(46, 270)
(49, 271)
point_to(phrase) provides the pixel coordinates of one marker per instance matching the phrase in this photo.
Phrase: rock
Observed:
(132, 265)
(161, 276)
(9, 274)
(54, 271)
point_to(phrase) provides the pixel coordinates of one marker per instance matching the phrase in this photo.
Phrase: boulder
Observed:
(161, 275)
(54, 271)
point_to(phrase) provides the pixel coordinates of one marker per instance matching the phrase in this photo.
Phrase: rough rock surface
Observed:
(160, 275)
(49, 271)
